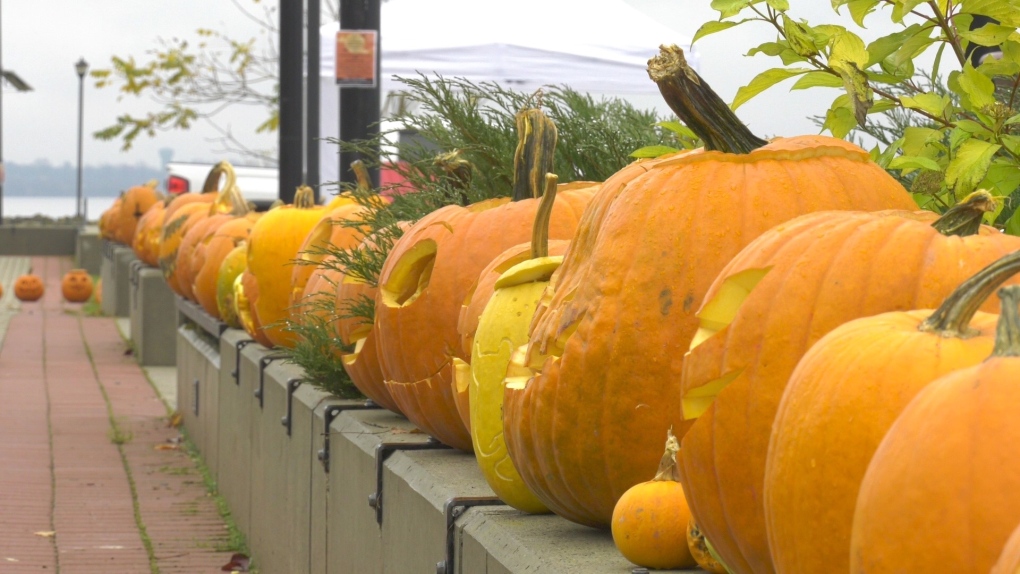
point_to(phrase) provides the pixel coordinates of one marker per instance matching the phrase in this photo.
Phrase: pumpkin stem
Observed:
(535, 153)
(540, 230)
(697, 106)
(212, 181)
(1007, 332)
(225, 200)
(361, 176)
(965, 217)
(667, 466)
(304, 197)
(459, 170)
(952, 318)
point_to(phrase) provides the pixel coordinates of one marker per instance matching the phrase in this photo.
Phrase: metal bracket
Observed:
(454, 509)
(292, 385)
(263, 363)
(194, 389)
(237, 359)
(331, 412)
(382, 452)
(134, 277)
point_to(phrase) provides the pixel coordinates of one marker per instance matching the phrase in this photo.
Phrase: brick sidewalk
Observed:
(90, 476)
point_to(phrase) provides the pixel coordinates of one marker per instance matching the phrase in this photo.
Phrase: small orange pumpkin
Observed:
(134, 203)
(650, 519)
(29, 287)
(76, 286)
(146, 241)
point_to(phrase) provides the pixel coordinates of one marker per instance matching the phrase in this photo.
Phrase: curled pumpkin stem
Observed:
(535, 153)
(667, 466)
(540, 230)
(954, 315)
(361, 176)
(965, 217)
(1007, 332)
(304, 197)
(697, 105)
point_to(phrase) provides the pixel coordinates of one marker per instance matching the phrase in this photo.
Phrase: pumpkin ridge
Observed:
(767, 154)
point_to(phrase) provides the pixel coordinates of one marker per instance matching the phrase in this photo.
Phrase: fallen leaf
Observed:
(46, 533)
(12, 560)
(166, 447)
(238, 563)
(405, 431)
(175, 420)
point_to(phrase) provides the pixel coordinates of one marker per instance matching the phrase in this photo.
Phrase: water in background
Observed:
(55, 207)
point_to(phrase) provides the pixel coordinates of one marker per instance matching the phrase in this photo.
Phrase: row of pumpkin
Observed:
(764, 300)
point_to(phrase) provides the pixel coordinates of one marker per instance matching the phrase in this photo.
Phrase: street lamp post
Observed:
(81, 67)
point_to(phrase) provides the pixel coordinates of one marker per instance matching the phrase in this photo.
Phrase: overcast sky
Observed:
(42, 40)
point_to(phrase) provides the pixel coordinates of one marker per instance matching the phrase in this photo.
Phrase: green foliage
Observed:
(942, 138)
(193, 81)
(465, 150)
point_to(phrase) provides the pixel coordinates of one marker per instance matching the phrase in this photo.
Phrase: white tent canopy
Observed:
(594, 46)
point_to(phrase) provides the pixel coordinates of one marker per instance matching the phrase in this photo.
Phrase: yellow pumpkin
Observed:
(275, 240)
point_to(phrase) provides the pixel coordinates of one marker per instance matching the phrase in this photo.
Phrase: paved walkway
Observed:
(92, 478)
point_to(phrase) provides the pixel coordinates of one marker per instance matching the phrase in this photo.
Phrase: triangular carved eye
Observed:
(720, 311)
(410, 276)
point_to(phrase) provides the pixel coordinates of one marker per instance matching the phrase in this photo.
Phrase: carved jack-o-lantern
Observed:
(76, 286)
(29, 287)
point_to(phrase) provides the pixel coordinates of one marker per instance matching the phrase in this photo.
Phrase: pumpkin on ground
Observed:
(76, 286)
(942, 493)
(604, 343)
(650, 519)
(853, 383)
(29, 287)
(773, 300)
(429, 273)
(274, 243)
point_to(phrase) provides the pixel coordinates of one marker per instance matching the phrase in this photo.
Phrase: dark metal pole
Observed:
(291, 98)
(312, 111)
(81, 68)
(359, 107)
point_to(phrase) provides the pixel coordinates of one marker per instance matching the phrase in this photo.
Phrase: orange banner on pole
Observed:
(356, 54)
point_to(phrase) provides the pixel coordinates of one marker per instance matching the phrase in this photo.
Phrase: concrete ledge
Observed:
(115, 273)
(153, 330)
(299, 517)
(38, 240)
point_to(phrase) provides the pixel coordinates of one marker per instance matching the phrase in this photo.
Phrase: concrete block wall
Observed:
(153, 329)
(115, 271)
(300, 518)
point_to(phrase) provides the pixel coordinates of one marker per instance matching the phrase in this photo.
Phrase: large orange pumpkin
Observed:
(429, 273)
(134, 203)
(187, 210)
(246, 295)
(853, 383)
(606, 345)
(272, 248)
(209, 255)
(942, 493)
(146, 240)
(773, 300)
(362, 363)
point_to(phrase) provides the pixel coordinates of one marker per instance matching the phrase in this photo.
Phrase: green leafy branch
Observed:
(961, 135)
